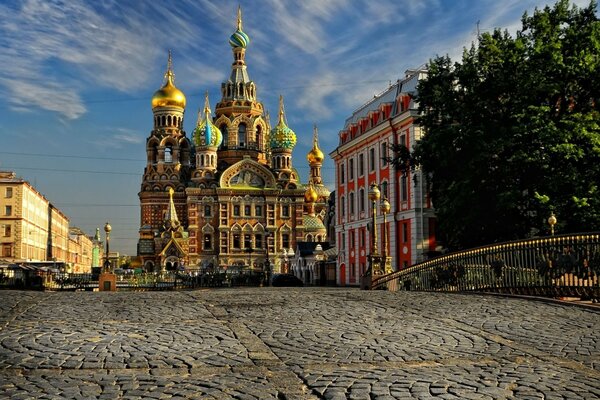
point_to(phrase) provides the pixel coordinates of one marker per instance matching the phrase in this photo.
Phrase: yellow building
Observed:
(33, 230)
(80, 251)
(24, 220)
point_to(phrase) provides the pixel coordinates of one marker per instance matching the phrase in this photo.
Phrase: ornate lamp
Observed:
(385, 208)
(552, 221)
(374, 195)
(107, 229)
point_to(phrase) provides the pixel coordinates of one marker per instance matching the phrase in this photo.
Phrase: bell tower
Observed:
(239, 115)
(168, 161)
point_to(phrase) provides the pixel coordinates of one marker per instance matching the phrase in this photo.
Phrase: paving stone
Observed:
(305, 343)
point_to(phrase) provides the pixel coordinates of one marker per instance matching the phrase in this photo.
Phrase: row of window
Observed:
(383, 156)
(367, 123)
(247, 209)
(247, 242)
(362, 199)
(242, 139)
(361, 237)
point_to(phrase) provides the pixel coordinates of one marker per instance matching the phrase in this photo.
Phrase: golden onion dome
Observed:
(311, 196)
(168, 95)
(315, 156)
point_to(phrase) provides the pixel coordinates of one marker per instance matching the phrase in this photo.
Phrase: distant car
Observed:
(281, 280)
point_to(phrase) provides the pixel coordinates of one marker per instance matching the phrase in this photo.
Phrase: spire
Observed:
(206, 106)
(171, 220)
(199, 120)
(239, 18)
(97, 236)
(281, 111)
(315, 136)
(169, 75)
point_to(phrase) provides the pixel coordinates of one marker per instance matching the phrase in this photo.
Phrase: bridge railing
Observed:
(59, 281)
(556, 266)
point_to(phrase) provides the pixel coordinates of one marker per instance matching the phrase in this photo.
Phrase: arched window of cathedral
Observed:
(259, 138)
(153, 156)
(169, 120)
(168, 154)
(225, 133)
(242, 135)
(207, 243)
(241, 90)
(309, 238)
(164, 120)
(184, 152)
(202, 160)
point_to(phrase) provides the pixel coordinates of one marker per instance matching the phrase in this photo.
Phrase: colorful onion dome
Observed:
(311, 195)
(312, 223)
(206, 133)
(315, 155)
(168, 95)
(239, 38)
(282, 137)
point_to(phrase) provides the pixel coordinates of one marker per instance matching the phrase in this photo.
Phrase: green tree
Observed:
(512, 131)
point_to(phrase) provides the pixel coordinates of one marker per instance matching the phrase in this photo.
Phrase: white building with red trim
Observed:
(367, 138)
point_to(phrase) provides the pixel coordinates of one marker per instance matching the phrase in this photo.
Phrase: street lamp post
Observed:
(290, 257)
(285, 261)
(552, 221)
(319, 258)
(267, 269)
(107, 280)
(107, 229)
(375, 261)
(385, 208)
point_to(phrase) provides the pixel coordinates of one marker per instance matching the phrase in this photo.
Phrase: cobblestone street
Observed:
(306, 343)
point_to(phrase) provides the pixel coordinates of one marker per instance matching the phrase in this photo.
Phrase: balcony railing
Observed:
(556, 266)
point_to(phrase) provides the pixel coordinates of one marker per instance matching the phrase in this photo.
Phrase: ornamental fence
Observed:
(57, 281)
(556, 266)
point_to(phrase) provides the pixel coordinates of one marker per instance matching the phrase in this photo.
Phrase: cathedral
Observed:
(228, 195)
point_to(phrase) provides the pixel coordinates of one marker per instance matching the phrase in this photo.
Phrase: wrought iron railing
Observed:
(45, 280)
(556, 266)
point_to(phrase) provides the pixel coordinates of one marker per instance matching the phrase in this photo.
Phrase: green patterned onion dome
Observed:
(239, 39)
(206, 133)
(282, 137)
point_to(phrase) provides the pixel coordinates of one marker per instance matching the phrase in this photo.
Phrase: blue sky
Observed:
(77, 78)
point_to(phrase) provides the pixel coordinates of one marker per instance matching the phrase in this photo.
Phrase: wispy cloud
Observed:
(55, 50)
(128, 137)
(122, 137)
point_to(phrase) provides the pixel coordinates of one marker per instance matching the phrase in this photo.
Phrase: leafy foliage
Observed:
(512, 131)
